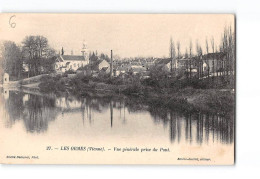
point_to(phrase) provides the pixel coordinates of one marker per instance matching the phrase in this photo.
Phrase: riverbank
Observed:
(186, 99)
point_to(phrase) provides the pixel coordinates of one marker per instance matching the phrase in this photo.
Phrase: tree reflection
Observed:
(196, 127)
(13, 107)
(37, 110)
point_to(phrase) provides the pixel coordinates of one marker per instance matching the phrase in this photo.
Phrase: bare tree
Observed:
(198, 48)
(213, 51)
(207, 45)
(231, 53)
(198, 59)
(207, 60)
(186, 55)
(190, 60)
(172, 53)
(178, 49)
(227, 47)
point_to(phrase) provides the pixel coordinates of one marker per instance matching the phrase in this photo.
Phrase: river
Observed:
(46, 119)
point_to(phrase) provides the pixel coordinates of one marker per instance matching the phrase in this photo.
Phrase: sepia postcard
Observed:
(117, 88)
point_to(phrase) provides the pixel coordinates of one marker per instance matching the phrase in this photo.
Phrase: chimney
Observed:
(111, 65)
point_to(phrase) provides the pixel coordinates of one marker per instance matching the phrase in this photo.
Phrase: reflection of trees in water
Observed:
(196, 127)
(13, 107)
(36, 111)
(39, 111)
(101, 105)
(199, 127)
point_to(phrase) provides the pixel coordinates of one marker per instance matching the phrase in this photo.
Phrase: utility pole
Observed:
(111, 65)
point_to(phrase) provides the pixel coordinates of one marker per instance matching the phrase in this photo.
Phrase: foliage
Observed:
(36, 50)
(93, 57)
(70, 71)
(12, 59)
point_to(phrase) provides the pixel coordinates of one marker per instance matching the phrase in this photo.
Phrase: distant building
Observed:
(122, 69)
(135, 69)
(70, 62)
(6, 78)
(164, 64)
(182, 63)
(25, 67)
(105, 70)
(215, 60)
(96, 67)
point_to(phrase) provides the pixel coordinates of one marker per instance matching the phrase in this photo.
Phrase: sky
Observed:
(128, 35)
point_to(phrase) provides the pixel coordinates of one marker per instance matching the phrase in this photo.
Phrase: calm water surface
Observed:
(107, 118)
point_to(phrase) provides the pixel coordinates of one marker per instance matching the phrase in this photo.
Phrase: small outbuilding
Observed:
(6, 78)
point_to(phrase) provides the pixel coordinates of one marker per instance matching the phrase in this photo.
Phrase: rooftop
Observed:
(164, 61)
(73, 57)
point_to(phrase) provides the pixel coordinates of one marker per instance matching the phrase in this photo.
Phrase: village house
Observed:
(182, 63)
(166, 64)
(96, 67)
(100, 64)
(137, 69)
(206, 64)
(70, 62)
(215, 61)
(122, 69)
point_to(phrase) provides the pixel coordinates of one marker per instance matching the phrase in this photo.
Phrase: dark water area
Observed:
(113, 116)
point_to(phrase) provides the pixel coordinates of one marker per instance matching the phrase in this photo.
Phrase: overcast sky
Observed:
(128, 35)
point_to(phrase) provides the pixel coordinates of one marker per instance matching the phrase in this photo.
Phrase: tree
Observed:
(104, 56)
(172, 54)
(62, 51)
(198, 60)
(198, 48)
(227, 46)
(178, 48)
(190, 60)
(41, 46)
(207, 50)
(186, 55)
(93, 57)
(207, 45)
(36, 50)
(213, 51)
(12, 59)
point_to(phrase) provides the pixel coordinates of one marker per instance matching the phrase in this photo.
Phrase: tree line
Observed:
(217, 60)
(34, 56)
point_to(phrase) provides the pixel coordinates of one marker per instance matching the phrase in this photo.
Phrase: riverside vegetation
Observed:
(210, 95)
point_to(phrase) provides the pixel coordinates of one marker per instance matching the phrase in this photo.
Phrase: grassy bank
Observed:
(184, 98)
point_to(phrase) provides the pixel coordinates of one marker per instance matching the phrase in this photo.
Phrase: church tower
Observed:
(84, 51)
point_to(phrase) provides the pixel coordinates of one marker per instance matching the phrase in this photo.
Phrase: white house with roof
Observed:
(70, 62)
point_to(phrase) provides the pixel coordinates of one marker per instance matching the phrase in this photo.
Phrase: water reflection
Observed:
(37, 111)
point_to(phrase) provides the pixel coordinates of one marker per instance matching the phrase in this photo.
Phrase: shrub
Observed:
(47, 84)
